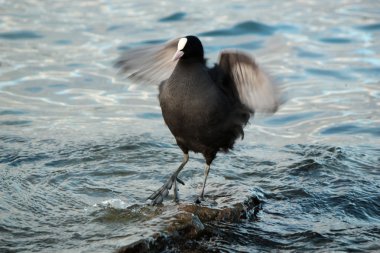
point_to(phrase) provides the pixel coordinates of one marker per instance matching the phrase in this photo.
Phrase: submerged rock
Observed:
(192, 223)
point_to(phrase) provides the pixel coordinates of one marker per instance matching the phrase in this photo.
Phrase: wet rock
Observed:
(191, 224)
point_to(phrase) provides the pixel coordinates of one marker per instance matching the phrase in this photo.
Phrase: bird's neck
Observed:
(192, 60)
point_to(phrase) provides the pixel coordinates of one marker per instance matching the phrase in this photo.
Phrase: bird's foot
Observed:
(158, 196)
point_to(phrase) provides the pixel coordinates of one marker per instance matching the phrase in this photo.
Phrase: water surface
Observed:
(81, 149)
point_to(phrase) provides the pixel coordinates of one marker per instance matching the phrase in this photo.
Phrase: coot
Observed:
(204, 108)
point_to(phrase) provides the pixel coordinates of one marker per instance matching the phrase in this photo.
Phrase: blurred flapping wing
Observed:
(252, 84)
(150, 64)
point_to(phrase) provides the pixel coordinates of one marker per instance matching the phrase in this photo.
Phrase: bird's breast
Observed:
(192, 107)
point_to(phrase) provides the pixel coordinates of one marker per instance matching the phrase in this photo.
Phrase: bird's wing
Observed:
(253, 85)
(151, 64)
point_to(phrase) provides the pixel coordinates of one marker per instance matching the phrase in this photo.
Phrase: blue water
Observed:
(81, 148)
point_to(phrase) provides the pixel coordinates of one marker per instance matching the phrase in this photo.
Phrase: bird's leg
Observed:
(175, 191)
(158, 196)
(201, 196)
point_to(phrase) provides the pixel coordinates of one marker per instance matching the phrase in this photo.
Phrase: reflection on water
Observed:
(81, 149)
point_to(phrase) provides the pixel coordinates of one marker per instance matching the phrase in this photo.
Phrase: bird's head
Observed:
(189, 47)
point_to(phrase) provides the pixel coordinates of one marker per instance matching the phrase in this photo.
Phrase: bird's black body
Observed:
(199, 111)
(204, 108)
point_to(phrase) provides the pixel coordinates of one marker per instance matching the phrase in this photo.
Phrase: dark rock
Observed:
(191, 225)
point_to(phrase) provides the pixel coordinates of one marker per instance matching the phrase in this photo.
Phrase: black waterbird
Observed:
(204, 108)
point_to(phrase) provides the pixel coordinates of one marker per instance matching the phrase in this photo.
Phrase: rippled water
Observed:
(81, 149)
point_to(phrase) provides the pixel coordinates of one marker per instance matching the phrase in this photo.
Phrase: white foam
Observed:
(115, 203)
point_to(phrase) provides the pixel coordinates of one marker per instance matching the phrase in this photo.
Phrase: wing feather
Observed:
(253, 85)
(150, 64)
